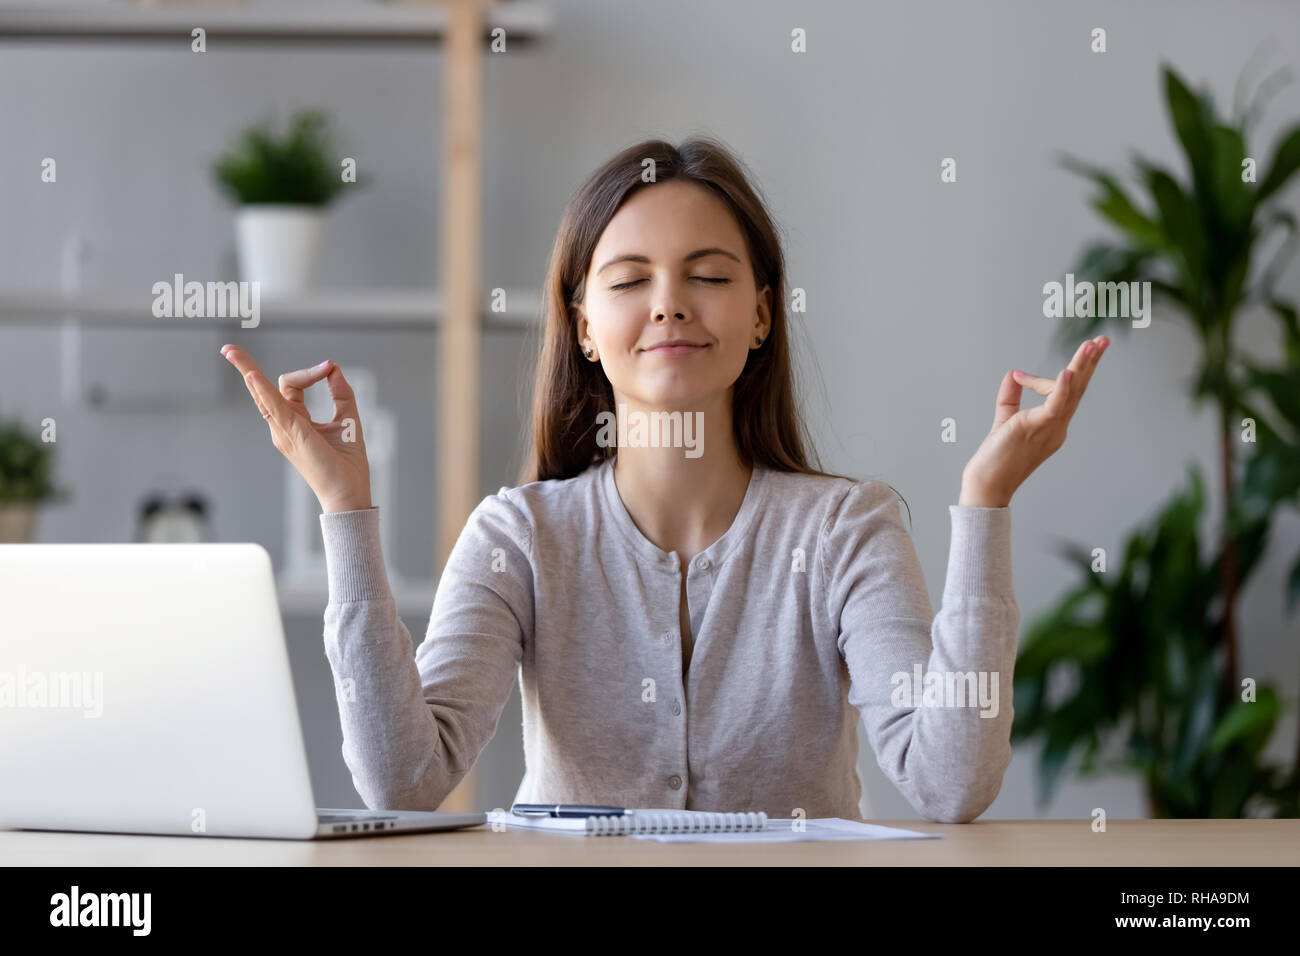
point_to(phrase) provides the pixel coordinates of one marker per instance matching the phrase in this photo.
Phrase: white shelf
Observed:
(315, 22)
(324, 308)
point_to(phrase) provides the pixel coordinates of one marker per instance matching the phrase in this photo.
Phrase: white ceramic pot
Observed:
(17, 520)
(278, 246)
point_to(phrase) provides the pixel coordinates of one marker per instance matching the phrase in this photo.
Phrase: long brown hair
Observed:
(569, 391)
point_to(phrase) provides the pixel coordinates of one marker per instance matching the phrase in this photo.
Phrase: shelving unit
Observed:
(454, 309)
(309, 23)
(362, 309)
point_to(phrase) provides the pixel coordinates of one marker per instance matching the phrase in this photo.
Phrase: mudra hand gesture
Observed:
(1023, 438)
(330, 456)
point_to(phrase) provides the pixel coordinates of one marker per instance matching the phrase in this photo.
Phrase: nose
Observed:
(668, 299)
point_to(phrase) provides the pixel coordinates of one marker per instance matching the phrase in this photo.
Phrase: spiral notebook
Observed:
(637, 822)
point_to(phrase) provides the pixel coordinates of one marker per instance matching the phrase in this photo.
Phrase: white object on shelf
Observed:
(279, 245)
(77, 251)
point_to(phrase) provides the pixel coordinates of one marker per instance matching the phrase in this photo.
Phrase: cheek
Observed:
(740, 328)
(623, 324)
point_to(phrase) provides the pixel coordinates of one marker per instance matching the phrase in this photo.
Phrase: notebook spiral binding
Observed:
(675, 823)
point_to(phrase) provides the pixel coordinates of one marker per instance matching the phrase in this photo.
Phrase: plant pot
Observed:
(278, 246)
(17, 521)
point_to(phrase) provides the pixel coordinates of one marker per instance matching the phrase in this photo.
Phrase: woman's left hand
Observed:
(1022, 439)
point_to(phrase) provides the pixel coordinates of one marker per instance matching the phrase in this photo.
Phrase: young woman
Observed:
(694, 625)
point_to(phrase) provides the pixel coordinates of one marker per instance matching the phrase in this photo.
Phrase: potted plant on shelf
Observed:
(25, 464)
(282, 186)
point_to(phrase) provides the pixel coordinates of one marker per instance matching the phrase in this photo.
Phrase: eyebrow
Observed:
(697, 254)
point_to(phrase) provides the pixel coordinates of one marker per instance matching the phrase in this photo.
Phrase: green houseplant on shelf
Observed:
(283, 185)
(1149, 650)
(26, 463)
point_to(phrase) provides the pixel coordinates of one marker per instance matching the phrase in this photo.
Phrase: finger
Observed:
(270, 403)
(1080, 357)
(237, 357)
(345, 401)
(1085, 362)
(1080, 371)
(293, 383)
(1058, 404)
(1008, 402)
(1043, 386)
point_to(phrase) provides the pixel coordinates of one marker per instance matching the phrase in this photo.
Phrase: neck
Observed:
(682, 503)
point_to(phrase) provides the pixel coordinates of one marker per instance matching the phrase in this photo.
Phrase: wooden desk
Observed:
(1141, 843)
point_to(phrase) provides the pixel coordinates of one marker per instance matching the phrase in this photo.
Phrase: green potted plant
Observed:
(25, 466)
(1149, 648)
(282, 185)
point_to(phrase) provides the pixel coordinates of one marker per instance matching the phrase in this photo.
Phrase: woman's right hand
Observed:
(330, 456)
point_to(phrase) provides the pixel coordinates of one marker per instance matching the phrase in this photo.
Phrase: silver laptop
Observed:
(145, 688)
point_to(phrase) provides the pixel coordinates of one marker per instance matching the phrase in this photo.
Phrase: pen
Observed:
(565, 810)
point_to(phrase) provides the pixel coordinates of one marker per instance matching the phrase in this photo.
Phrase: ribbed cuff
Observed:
(979, 557)
(354, 558)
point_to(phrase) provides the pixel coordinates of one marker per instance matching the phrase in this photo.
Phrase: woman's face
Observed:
(672, 264)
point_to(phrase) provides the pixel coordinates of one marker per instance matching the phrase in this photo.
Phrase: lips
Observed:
(676, 347)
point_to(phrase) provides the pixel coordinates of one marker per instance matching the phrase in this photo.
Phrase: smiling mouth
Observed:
(675, 349)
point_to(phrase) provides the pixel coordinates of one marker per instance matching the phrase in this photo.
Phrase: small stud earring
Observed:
(757, 340)
(587, 352)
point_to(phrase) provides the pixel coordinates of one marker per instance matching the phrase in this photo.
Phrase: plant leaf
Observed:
(1250, 721)
(1114, 203)
(1286, 160)
(1191, 118)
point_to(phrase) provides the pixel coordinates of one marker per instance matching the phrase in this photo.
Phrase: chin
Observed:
(686, 395)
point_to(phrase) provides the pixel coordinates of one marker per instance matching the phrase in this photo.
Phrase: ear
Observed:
(579, 323)
(763, 313)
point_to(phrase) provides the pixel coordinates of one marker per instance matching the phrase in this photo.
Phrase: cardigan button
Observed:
(675, 782)
(702, 564)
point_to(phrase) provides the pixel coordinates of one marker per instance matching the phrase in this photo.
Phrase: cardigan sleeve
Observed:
(934, 691)
(413, 726)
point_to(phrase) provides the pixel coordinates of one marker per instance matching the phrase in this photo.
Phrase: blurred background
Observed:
(921, 294)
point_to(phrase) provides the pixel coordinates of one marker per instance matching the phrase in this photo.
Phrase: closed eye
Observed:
(628, 285)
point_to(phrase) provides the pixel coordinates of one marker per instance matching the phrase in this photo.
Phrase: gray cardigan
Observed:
(810, 610)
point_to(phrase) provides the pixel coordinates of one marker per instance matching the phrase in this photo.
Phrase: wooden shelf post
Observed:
(456, 450)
